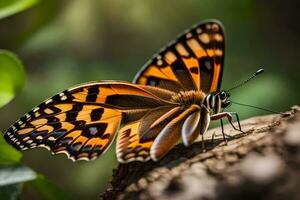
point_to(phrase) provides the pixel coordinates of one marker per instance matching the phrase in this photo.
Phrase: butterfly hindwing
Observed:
(194, 61)
(129, 147)
(135, 139)
(82, 121)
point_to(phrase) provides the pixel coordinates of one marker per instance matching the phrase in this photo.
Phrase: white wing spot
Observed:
(48, 101)
(84, 158)
(63, 98)
(159, 62)
(29, 142)
(215, 27)
(36, 109)
(33, 144)
(208, 26)
(63, 152)
(39, 137)
(199, 30)
(44, 146)
(93, 130)
(51, 138)
(188, 35)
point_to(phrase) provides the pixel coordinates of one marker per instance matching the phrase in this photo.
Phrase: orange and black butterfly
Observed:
(173, 97)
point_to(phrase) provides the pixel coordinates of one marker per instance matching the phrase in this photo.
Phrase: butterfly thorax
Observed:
(213, 103)
(187, 98)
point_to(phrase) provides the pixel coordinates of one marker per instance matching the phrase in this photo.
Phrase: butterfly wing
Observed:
(83, 121)
(135, 139)
(194, 61)
(129, 146)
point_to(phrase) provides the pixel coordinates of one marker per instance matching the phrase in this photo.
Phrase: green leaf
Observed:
(12, 76)
(12, 174)
(11, 192)
(47, 189)
(11, 179)
(10, 7)
(8, 154)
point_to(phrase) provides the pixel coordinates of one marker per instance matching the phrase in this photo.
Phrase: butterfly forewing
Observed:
(194, 61)
(83, 121)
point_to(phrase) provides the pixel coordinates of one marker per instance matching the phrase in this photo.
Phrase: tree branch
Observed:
(264, 163)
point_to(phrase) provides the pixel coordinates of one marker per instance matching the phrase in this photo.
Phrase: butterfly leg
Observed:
(238, 122)
(228, 115)
(223, 133)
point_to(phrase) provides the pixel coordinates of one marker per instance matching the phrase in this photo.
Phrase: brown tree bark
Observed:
(264, 163)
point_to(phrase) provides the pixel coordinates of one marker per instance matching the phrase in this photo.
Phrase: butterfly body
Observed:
(187, 98)
(173, 97)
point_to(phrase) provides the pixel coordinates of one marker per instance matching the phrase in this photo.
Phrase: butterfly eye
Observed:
(223, 95)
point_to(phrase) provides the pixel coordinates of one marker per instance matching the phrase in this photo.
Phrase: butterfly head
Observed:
(224, 96)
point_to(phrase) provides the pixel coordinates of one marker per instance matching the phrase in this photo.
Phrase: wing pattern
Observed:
(83, 121)
(194, 61)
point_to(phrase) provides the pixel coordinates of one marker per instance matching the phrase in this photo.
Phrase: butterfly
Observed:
(174, 96)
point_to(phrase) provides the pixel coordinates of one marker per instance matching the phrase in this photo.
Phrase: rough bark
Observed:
(264, 163)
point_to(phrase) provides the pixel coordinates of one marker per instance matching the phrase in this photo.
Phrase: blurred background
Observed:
(63, 43)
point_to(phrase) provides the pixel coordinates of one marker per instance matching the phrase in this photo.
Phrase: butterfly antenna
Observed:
(244, 82)
(251, 106)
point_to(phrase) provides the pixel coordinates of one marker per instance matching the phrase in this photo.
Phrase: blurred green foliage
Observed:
(8, 155)
(12, 76)
(10, 7)
(47, 189)
(63, 43)
(13, 174)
